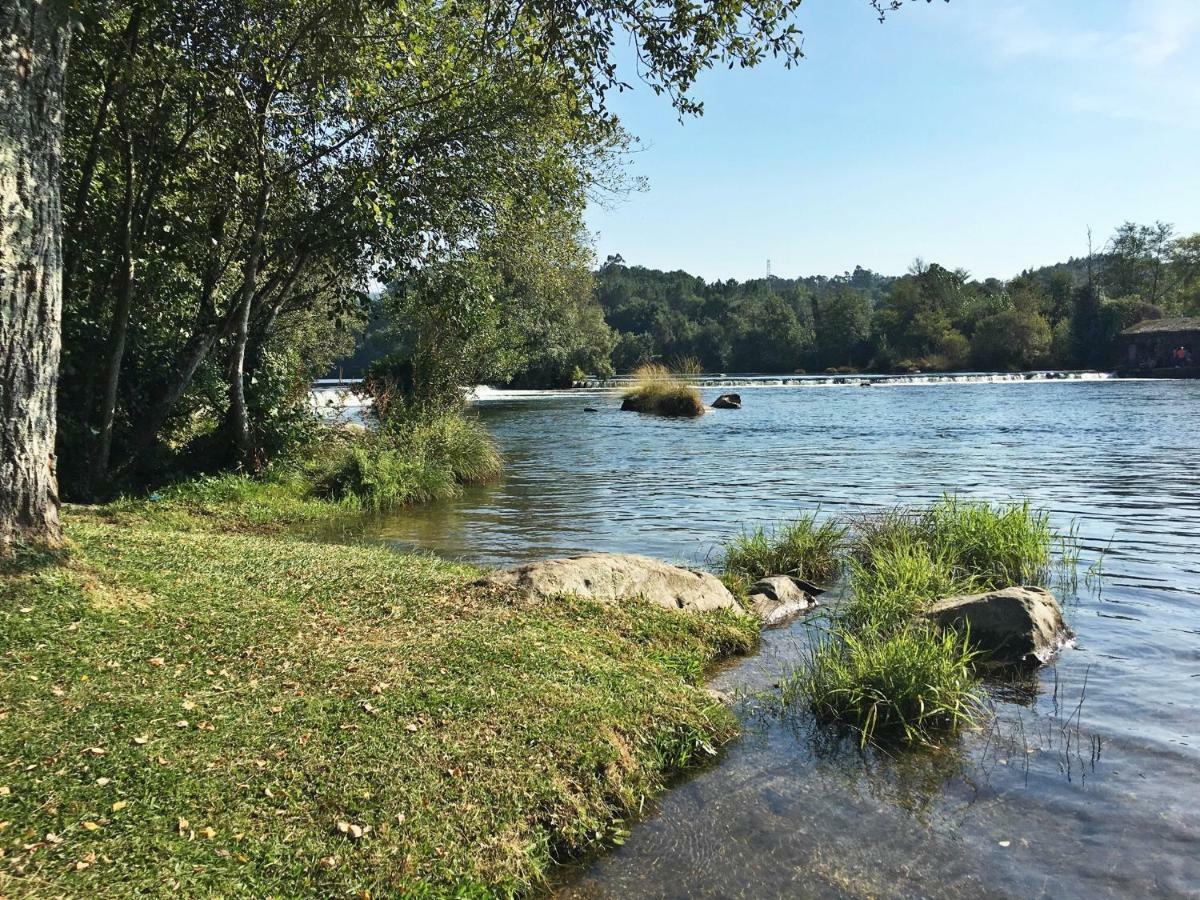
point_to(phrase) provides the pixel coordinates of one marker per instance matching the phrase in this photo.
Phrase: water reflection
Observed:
(1086, 784)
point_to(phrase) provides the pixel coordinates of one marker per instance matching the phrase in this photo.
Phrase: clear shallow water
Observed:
(1092, 798)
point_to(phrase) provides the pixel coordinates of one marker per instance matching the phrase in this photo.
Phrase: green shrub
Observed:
(909, 685)
(803, 548)
(407, 462)
(658, 390)
(461, 444)
(383, 478)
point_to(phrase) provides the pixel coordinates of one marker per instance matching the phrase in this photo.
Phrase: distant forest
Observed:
(931, 319)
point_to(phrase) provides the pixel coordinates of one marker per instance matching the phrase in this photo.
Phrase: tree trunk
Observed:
(205, 333)
(118, 329)
(78, 210)
(239, 420)
(36, 37)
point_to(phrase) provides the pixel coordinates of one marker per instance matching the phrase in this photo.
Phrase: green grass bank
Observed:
(194, 700)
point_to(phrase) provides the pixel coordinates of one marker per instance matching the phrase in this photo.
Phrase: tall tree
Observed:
(36, 42)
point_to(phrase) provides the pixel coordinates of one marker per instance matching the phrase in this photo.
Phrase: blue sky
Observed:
(986, 134)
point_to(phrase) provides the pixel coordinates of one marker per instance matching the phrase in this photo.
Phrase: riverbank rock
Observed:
(1016, 625)
(778, 598)
(613, 577)
(728, 401)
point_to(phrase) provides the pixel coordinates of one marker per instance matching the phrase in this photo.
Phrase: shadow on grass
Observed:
(28, 559)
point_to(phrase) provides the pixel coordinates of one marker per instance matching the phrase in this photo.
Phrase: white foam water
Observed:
(335, 401)
(750, 381)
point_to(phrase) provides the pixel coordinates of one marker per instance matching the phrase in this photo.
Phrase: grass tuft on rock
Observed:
(804, 548)
(660, 391)
(220, 710)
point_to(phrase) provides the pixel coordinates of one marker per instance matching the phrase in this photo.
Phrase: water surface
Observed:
(1088, 785)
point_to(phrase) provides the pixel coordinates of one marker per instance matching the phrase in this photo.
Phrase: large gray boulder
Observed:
(613, 577)
(1012, 626)
(777, 598)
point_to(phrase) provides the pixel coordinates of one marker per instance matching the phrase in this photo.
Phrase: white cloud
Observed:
(1135, 60)
(1166, 29)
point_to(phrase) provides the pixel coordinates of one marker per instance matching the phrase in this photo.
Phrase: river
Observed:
(1088, 785)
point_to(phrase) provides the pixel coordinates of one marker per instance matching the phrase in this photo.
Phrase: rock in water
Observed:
(778, 598)
(613, 577)
(1014, 625)
(728, 401)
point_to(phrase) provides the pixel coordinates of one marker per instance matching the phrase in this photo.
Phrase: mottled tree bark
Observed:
(35, 39)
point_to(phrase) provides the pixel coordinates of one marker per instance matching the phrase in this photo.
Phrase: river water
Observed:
(1088, 785)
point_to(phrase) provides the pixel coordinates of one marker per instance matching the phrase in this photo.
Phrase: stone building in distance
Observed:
(1161, 348)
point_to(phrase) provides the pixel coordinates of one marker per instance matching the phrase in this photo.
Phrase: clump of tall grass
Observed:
(910, 685)
(407, 462)
(995, 545)
(882, 670)
(896, 584)
(804, 548)
(662, 391)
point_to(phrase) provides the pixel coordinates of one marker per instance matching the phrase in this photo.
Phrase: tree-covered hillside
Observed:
(932, 318)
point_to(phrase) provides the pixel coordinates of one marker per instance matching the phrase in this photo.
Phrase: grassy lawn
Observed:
(192, 704)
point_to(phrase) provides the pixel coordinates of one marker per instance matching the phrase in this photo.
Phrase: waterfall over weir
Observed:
(336, 402)
(749, 381)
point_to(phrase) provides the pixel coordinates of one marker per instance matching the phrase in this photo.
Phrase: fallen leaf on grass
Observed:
(141, 739)
(352, 830)
(182, 723)
(90, 826)
(102, 781)
(183, 825)
(156, 661)
(119, 805)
